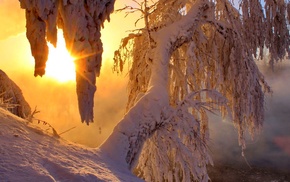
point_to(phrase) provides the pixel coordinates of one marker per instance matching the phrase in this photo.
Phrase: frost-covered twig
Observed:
(206, 47)
(32, 118)
(150, 114)
(6, 103)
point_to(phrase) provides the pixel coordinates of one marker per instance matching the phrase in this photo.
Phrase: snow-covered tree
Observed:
(192, 57)
(11, 97)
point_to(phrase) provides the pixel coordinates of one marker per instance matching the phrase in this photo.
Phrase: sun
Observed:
(60, 64)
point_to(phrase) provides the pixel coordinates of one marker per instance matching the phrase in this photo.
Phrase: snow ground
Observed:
(30, 154)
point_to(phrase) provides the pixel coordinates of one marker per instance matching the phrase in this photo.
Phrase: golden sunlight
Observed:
(60, 64)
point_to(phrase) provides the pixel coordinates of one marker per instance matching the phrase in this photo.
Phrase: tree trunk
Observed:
(151, 111)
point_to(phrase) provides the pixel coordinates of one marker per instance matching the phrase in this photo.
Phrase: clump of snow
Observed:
(81, 22)
(30, 154)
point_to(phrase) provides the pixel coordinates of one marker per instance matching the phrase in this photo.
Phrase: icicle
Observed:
(81, 22)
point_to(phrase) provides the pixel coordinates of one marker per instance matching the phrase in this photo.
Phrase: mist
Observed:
(57, 101)
(270, 148)
(8, 17)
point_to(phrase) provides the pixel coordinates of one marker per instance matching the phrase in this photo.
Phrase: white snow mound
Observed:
(30, 154)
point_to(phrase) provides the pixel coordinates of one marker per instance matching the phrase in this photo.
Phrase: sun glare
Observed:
(60, 64)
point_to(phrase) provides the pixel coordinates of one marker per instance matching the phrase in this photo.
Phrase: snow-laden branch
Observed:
(81, 22)
(215, 53)
(151, 113)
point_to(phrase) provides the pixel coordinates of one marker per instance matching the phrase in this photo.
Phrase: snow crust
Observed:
(81, 22)
(30, 154)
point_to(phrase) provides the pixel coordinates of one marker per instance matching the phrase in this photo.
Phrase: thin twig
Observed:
(67, 130)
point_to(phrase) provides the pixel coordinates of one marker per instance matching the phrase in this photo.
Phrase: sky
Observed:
(57, 101)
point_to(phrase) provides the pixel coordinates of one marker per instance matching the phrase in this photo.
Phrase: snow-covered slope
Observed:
(30, 154)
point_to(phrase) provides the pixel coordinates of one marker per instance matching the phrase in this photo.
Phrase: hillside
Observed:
(30, 154)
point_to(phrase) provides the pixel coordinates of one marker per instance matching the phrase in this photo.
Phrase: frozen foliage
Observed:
(81, 22)
(12, 98)
(188, 46)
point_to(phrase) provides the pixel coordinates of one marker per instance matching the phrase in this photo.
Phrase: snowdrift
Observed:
(31, 154)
